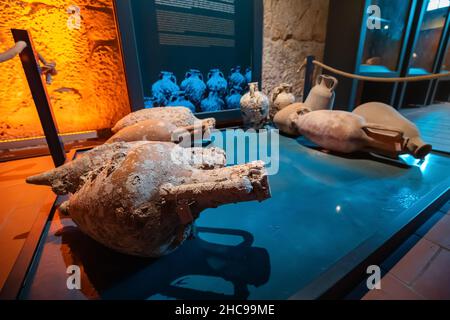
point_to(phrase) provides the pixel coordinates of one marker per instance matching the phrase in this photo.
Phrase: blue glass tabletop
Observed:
(323, 206)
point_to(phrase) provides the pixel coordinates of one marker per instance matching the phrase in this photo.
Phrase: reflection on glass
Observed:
(383, 45)
(446, 63)
(437, 4)
(427, 45)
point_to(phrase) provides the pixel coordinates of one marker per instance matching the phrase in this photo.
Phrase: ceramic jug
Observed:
(321, 97)
(164, 88)
(213, 103)
(194, 86)
(179, 99)
(346, 132)
(217, 82)
(380, 113)
(281, 97)
(233, 100)
(254, 107)
(236, 79)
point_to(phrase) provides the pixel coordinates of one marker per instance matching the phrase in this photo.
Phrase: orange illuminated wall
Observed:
(89, 91)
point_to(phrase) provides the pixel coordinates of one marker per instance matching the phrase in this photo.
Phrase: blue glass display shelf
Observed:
(327, 214)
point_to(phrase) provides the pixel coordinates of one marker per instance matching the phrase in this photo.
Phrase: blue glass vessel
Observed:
(213, 103)
(217, 82)
(164, 88)
(233, 100)
(194, 86)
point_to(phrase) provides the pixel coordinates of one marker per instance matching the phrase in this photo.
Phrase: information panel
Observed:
(209, 40)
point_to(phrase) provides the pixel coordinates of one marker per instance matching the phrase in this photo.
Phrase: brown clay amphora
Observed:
(383, 114)
(178, 116)
(345, 132)
(321, 97)
(280, 98)
(285, 119)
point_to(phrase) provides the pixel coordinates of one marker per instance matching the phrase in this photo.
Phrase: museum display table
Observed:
(327, 214)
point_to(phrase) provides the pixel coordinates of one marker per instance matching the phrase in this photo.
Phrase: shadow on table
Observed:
(399, 163)
(107, 274)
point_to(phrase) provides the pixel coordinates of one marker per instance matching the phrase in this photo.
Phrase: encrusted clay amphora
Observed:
(159, 130)
(175, 124)
(346, 132)
(281, 97)
(380, 113)
(254, 108)
(164, 88)
(217, 82)
(142, 198)
(321, 97)
(178, 116)
(194, 86)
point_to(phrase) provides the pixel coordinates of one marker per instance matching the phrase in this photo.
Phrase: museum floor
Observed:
(419, 268)
(20, 206)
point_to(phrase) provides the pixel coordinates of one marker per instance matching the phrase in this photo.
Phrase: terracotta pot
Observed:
(380, 113)
(321, 97)
(281, 97)
(285, 119)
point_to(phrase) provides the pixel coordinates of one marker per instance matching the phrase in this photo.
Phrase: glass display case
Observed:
(377, 50)
(428, 43)
(384, 41)
(441, 88)
(446, 63)
(430, 34)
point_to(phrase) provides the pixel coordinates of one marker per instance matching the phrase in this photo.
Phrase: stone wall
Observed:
(89, 91)
(293, 29)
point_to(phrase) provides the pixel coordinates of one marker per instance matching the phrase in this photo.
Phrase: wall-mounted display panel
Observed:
(89, 92)
(197, 54)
